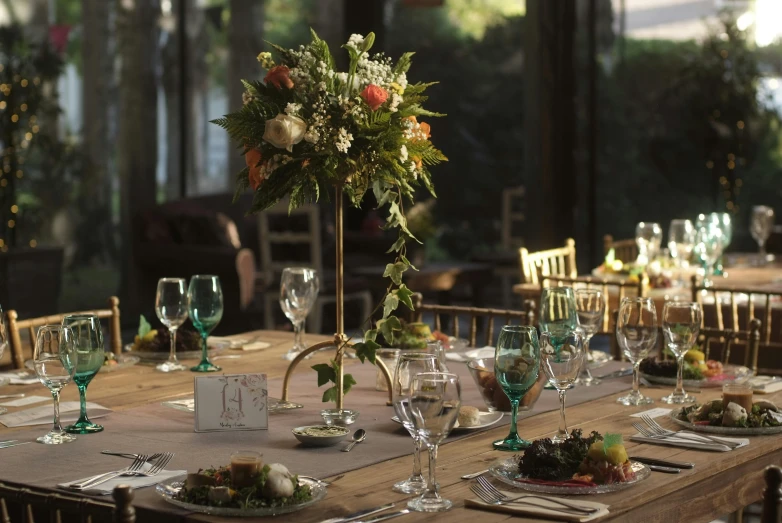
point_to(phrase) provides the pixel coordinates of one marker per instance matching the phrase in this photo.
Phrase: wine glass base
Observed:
(678, 399)
(84, 427)
(587, 382)
(410, 486)
(429, 505)
(56, 438)
(634, 400)
(559, 438)
(170, 366)
(206, 366)
(511, 444)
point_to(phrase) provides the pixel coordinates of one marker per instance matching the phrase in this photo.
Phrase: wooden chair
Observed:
(304, 244)
(772, 496)
(477, 317)
(26, 504)
(625, 250)
(553, 262)
(15, 326)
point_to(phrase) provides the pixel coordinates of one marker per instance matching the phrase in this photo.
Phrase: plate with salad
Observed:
(697, 371)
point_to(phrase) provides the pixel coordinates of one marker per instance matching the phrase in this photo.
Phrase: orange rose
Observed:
(425, 130)
(279, 76)
(417, 161)
(252, 158)
(374, 96)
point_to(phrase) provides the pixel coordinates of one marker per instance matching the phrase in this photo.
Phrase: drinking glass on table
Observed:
(708, 247)
(171, 309)
(205, 307)
(681, 238)
(298, 292)
(436, 347)
(562, 357)
(54, 358)
(681, 324)
(590, 307)
(648, 237)
(558, 312)
(407, 367)
(90, 355)
(636, 333)
(761, 224)
(435, 399)
(3, 344)
(516, 368)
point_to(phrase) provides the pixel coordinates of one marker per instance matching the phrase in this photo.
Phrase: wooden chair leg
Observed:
(123, 508)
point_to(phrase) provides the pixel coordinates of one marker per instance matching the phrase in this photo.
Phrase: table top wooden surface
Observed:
(719, 484)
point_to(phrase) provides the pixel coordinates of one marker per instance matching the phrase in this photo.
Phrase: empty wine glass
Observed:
(590, 306)
(558, 313)
(54, 358)
(407, 367)
(761, 224)
(648, 237)
(636, 333)
(708, 246)
(3, 344)
(681, 324)
(516, 368)
(436, 347)
(562, 358)
(298, 292)
(171, 309)
(435, 399)
(681, 238)
(205, 307)
(90, 355)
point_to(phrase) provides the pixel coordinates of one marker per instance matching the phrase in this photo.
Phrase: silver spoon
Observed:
(358, 436)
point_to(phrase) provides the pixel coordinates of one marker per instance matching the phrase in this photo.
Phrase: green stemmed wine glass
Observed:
(516, 368)
(205, 305)
(88, 340)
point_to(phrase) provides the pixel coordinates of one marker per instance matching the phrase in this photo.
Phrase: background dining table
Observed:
(719, 483)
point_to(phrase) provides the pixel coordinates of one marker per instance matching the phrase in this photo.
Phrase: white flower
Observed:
(247, 97)
(292, 109)
(284, 131)
(343, 140)
(395, 101)
(403, 153)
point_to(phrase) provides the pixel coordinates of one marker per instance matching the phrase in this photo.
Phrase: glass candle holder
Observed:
(390, 357)
(245, 467)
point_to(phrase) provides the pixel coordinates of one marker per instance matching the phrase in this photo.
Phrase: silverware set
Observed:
(655, 430)
(489, 494)
(12, 443)
(135, 469)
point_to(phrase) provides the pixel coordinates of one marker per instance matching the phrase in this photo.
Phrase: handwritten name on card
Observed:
(232, 402)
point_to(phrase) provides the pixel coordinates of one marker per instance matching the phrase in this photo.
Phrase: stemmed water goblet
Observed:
(171, 309)
(562, 358)
(407, 367)
(636, 333)
(648, 237)
(761, 224)
(590, 306)
(435, 399)
(681, 238)
(558, 313)
(90, 355)
(681, 324)
(516, 368)
(54, 358)
(205, 307)
(298, 292)
(708, 246)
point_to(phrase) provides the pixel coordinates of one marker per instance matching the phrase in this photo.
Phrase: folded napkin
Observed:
(19, 377)
(238, 343)
(256, 345)
(690, 442)
(765, 384)
(540, 506)
(485, 352)
(42, 415)
(455, 356)
(133, 481)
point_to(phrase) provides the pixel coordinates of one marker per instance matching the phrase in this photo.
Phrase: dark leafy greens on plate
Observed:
(551, 461)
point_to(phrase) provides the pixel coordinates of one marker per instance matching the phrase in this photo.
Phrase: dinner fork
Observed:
(139, 462)
(492, 500)
(657, 428)
(156, 469)
(501, 499)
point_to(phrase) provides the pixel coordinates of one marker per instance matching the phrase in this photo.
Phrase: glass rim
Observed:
(435, 376)
(172, 280)
(588, 291)
(299, 269)
(559, 288)
(518, 329)
(636, 299)
(414, 355)
(54, 327)
(204, 277)
(682, 304)
(80, 317)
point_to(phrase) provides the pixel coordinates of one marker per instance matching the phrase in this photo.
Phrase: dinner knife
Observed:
(667, 470)
(662, 462)
(616, 374)
(385, 516)
(14, 444)
(360, 514)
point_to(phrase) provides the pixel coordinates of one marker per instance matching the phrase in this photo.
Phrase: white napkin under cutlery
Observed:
(692, 441)
(133, 481)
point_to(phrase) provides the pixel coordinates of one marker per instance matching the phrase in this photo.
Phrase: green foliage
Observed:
(327, 373)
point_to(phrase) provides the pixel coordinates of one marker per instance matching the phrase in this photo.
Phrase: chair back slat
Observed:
(772, 495)
(489, 330)
(624, 250)
(28, 502)
(553, 262)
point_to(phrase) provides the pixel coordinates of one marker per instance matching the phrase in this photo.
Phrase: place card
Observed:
(21, 402)
(231, 402)
(652, 413)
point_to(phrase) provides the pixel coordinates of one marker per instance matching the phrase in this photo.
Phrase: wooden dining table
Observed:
(720, 483)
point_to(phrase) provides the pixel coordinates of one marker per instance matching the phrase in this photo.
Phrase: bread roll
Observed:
(469, 416)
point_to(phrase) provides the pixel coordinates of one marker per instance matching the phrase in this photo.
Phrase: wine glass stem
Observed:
(83, 404)
(204, 358)
(762, 245)
(172, 353)
(514, 412)
(562, 422)
(298, 331)
(636, 378)
(431, 486)
(679, 376)
(56, 427)
(417, 457)
(586, 374)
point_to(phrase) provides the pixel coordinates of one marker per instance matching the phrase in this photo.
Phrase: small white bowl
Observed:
(332, 435)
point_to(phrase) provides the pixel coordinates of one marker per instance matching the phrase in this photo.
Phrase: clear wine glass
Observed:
(562, 358)
(298, 293)
(648, 237)
(3, 344)
(636, 333)
(708, 245)
(435, 399)
(205, 307)
(590, 306)
(558, 313)
(55, 358)
(516, 369)
(171, 309)
(681, 324)
(90, 355)
(407, 367)
(436, 347)
(681, 239)
(761, 224)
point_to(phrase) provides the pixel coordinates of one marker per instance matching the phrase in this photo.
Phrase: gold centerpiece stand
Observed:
(340, 339)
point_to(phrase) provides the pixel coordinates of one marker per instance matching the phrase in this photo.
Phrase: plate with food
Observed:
(719, 417)
(697, 371)
(471, 418)
(154, 345)
(111, 362)
(320, 435)
(579, 465)
(450, 342)
(273, 490)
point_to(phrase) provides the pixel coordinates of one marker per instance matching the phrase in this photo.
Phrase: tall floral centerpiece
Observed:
(307, 128)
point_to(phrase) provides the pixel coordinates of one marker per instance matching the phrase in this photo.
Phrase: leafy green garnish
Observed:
(551, 461)
(143, 326)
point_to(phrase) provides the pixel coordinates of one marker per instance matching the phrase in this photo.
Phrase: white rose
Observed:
(284, 131)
